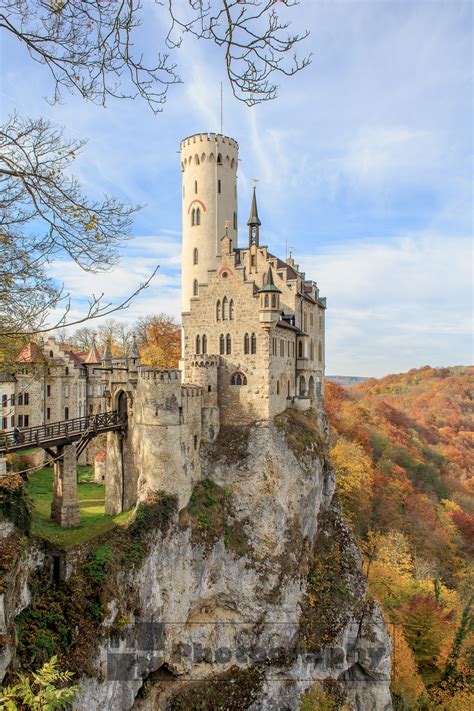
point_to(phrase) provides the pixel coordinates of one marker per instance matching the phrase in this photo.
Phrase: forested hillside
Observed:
(403, 451)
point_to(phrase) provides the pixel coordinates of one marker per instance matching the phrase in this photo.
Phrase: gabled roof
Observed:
(289, 326)
(31, 353)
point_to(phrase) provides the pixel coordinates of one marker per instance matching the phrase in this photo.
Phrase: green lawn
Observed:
(91, 497)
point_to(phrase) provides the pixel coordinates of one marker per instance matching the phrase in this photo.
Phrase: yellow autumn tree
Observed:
(354, 478)
(160, 341)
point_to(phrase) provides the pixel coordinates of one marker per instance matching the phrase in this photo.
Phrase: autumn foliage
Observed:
(402, 448)
(159, 341)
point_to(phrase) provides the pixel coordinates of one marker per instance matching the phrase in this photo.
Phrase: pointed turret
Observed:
(269, 284)
(254, 221)
(107, 357)
(134, 352)
(269, 301)
(93, 357)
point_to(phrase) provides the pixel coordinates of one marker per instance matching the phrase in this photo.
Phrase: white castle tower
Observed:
(209, 196)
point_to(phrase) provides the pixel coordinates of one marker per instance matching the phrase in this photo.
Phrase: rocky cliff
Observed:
(245, 599)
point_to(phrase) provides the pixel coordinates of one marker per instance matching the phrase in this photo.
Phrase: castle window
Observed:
(231, 310)
(196, 159)
(193, 217)
(195, 186)
(254, 343)
(311, 350)
(273, 301)
(66, 370)
(282, 348)
(222, 344)
(198, 344)
(238, 379)
(235, 220)
(195, 255)
(218, 310)
(195, 441)
(300, 349)
(204, 344)
(246, 344)
(219, 186)
(219, 159)
(311, 319)
(305, 319)
(66, 413)
(228, 344)
(266, 302)
(198, 216)
(20, 399)
(278, 387)
(27, 399)
(252, 260)
(195, 287)
(48, 413)
(320, 352)
(225, 308)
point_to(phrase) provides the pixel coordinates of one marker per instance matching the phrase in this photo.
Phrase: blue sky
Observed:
(364, 165)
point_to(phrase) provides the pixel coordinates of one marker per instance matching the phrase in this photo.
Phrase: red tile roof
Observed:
(31, 353)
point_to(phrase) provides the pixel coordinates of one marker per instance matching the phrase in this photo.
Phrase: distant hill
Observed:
(345, 380)
(403, 450)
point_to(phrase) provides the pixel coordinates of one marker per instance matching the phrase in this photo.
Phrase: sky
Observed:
(364, 163)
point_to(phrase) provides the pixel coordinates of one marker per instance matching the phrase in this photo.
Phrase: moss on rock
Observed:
(234, 690)
(210, 515)
(302, 432)
(335, 584)
(15, 502)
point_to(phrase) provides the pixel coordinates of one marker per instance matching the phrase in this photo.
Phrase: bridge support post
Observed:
(3, 467)
(65, 509)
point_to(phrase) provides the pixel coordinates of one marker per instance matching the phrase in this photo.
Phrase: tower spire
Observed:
(254, 220)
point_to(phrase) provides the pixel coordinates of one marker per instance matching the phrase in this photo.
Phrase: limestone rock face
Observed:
(253, 595)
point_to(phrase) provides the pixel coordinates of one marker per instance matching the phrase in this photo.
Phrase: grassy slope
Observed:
(91, 497)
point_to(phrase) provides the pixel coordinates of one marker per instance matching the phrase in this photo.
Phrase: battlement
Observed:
(211, 137)
(189, 390)
(164, 375)
(209, 361)
(209, 148)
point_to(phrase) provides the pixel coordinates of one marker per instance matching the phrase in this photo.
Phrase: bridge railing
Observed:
(64, 429)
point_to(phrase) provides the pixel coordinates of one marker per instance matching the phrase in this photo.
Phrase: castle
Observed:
(253, 340)
(253, 344)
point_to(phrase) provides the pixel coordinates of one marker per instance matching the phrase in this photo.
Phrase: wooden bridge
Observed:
(64, 441)
(57, 434)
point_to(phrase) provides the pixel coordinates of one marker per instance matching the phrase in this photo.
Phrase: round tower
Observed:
(209, 198)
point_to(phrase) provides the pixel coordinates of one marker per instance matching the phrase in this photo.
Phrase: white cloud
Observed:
(396, 305)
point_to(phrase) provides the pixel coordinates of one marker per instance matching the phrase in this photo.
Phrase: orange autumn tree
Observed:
(159, 340)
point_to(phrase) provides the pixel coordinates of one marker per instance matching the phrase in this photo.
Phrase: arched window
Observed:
(238, 379)
(196, 159)
(254, 343)
(225, 308)
(274, 302)
(198, 216)
(300, 349)
(219, 186)
(193, 217)
(222, 344)
(195, 255)
(235, 220)
(198, 344)
(228, 344)
(302, 386)
(211, 158)
(246, 344)
(204, 345)
(320, 352)
(195, 186)
(219, 159)
(231, 309)
(288, 388)
(195, 287)
(218, 311)
(203, 158)
(266, 302)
